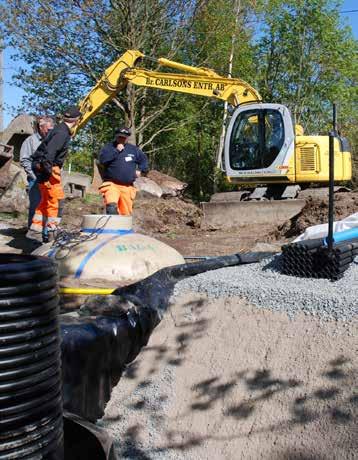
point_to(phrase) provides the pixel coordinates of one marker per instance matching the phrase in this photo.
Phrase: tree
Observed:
(190, 150)
(67, 45)
(304, 59)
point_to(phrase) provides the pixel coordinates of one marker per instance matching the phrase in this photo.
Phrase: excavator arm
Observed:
(198, 81)
(106, 88)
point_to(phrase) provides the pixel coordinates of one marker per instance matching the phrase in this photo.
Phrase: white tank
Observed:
(107, 253)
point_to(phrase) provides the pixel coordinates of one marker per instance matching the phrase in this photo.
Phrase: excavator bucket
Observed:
(6, 156)
(225, 210)
(12, 178)
(17, 131)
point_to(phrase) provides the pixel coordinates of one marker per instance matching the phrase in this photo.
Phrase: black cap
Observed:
(123, 132)
(72, 112)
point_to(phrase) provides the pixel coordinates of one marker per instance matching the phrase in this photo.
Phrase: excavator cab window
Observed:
(345, 147)
(256, 140)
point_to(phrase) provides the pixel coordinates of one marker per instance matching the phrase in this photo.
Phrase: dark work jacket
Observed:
(120, 167)
(54, 147)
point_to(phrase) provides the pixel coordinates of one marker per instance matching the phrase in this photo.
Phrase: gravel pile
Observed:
(264, 286)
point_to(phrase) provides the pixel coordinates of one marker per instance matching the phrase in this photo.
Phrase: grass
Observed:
(8, 215)
(92, 198)
(171, 235)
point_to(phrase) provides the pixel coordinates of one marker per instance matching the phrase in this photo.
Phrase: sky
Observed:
(13, 94)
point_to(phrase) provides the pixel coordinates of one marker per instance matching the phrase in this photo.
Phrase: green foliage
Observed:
(304, 59)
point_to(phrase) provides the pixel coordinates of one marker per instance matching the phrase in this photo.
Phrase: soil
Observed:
(176, 222)
(316, 212)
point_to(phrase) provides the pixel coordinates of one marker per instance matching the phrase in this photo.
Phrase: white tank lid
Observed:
(95, 222)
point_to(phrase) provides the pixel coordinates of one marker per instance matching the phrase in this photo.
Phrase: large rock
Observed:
(170, 185)
(6, 157)
(146, 186)
(14, 198)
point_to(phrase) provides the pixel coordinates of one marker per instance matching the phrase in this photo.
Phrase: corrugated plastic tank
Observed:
(107, 253)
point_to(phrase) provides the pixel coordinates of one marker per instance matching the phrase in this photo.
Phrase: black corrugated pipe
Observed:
(30, 376)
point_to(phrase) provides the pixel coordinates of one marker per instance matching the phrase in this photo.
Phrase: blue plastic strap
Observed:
(106, 231)
(91, 253)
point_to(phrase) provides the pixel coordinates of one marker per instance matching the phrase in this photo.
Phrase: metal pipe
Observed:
(198, 257)
(332, 135)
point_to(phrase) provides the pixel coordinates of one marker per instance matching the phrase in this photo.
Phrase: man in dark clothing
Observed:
(47, 163)
(121, 164)
(43, 125)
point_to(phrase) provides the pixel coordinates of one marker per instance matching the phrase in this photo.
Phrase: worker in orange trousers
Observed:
(47, 163)
(121, 163)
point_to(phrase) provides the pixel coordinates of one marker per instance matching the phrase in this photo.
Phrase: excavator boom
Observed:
(198, 81)
(232, 90)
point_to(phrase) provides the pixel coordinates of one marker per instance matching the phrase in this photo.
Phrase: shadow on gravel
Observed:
(129, 446)
(264, 387)
(335, 402)
(19, 241)
(274, 265)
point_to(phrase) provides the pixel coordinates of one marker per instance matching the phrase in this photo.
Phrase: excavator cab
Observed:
(260, 142)
(263, 147)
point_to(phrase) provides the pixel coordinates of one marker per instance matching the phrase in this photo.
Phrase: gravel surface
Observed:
(264, 286)
(221, 379)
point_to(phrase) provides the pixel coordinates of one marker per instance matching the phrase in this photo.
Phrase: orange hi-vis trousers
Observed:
(48, 213)
(121, 196)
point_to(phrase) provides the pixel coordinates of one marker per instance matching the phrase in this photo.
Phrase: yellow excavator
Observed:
(263, 149)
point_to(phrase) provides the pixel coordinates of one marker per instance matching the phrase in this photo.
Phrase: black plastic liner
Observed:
(112, 330)
(311, 259)
(85, 441)
(30, 378)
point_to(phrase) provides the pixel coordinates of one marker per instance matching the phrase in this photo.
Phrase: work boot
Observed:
(111, 209)
(49, 236)
(34, 235)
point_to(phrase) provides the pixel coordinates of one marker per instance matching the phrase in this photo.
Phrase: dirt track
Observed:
(223, 380)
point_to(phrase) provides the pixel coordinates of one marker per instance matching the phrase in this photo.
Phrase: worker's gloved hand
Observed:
(46, 168)
(43, 170)
(37, 167)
